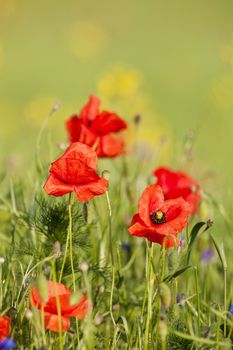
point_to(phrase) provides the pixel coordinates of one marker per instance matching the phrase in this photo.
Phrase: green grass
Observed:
(143, 297)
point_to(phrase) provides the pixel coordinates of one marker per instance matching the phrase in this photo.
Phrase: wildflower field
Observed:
(115, 218)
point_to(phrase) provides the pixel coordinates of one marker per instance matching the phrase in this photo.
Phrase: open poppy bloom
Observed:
(75, 171)
(159, 220)
(95, 129)
(178, 184)
(59, 298)
(4, 327)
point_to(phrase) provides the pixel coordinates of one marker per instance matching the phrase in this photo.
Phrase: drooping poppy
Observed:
(75, 171)
(5, 324)
(159, 220)
(59, 299)
(95, 128)
(178, 184)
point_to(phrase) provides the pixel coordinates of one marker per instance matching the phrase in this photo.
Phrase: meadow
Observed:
(80, 271)
(116, 178)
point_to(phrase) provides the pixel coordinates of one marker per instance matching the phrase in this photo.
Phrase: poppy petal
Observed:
(55, 187)
(107, 122)
(79, 310)
(178, 184)
(55, 289)
(4, 327)
(151, 200)
(90, 110)
(140, 230)
(73, 171)
(78, 150)
(84, 192)
(177, 212)
(54, 322)
(79, 132)
(110, 147)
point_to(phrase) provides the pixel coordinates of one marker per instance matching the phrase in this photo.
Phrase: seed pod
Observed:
(162, 328)
(42, 288)
(165, 295)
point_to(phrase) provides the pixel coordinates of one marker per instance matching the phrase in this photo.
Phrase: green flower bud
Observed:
(165, 295)
(42, 288)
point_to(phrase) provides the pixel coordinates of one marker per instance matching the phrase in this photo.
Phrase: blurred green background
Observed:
(170, 61)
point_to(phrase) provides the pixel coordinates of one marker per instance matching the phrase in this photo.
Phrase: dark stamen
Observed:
(158, 217)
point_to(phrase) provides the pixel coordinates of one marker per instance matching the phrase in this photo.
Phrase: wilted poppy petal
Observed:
(84, 192)
(55, 187)
(54, 322)
(4, 327)
(109, 146)
(151, 200)
(107, 122)
(90, 110)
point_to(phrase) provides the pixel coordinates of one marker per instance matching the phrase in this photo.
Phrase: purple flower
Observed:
(207, 256)
(180, 299)
(181, 245)
(230, 315)
(7, 344)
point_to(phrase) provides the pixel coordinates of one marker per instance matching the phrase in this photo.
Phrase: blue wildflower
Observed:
(7, 344)
(230, 315)
(126, 246)
(207, 255)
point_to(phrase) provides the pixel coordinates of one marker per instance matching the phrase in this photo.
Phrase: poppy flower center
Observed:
(158, 217)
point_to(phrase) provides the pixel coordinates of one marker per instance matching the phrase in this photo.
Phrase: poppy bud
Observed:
(116, 307)
(57, 249)
(162, 328)
(75, 298)
(165, 295)
(42, 288)
(28, 314)
(83, 266)
(56, 106)
(106, 174)
(137, 119)
(98, 319)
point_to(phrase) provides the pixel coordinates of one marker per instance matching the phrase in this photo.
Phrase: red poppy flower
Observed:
(75, 171)
(159, 220)
(95, 128)
(178, 184)
(59, 298)
(4, 327)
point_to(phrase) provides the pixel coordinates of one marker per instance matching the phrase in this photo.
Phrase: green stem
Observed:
(38, 141)
(71, 242)
(110, 227)
(225, 300)
(65, 257)
(149, 293)
(198, 298)
(58, 305)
